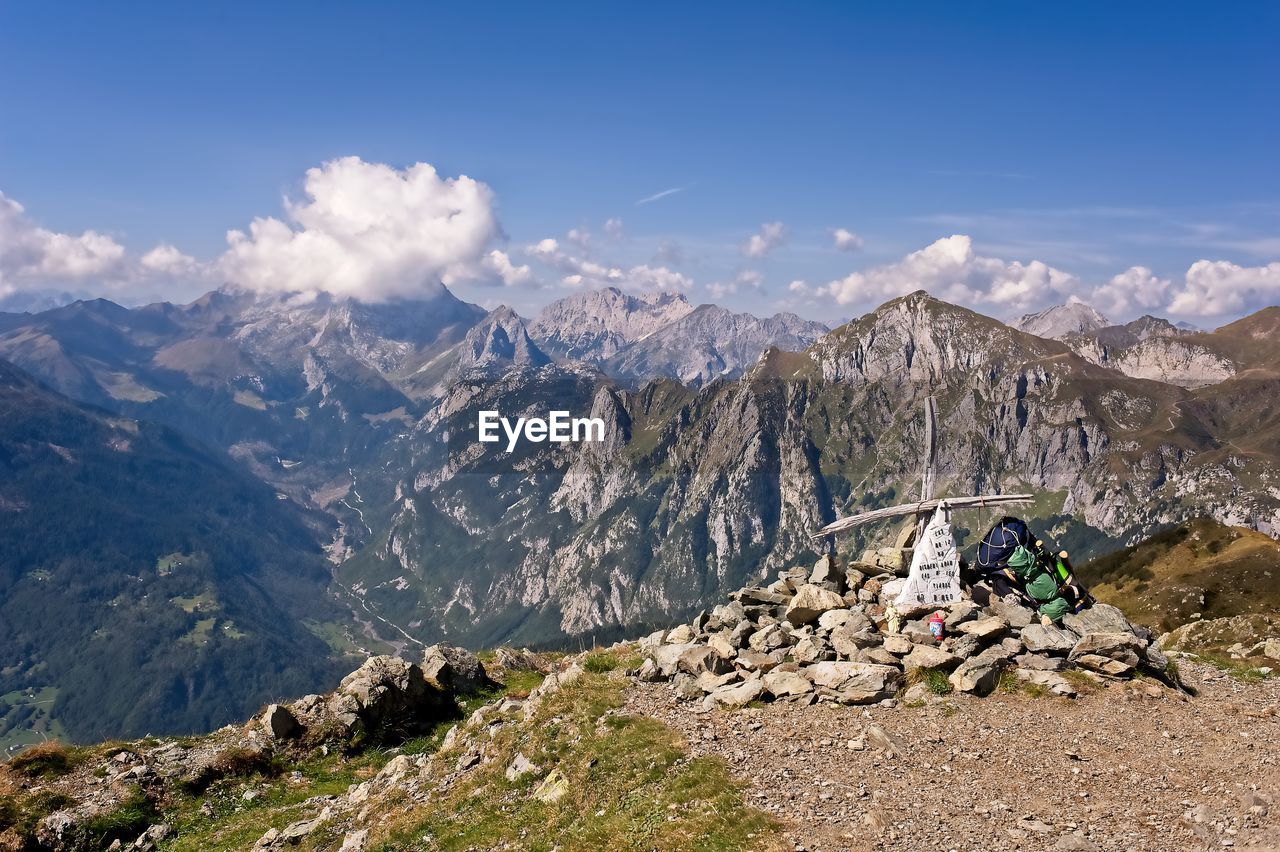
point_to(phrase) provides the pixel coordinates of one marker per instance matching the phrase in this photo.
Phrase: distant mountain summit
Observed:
(711, 342)
(636, 338)
(593, 326)
(1061, 320)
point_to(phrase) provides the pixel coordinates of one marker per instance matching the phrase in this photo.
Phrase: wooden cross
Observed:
(926, 506)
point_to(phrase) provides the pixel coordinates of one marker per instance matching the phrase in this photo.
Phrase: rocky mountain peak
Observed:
(1059, 321)
(499, 340)
(594, 325)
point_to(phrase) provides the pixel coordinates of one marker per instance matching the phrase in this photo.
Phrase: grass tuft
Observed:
(46, 760)
(934, 679)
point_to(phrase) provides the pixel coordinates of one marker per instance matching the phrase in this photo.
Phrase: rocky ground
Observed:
(1130, 766)
(809, 714)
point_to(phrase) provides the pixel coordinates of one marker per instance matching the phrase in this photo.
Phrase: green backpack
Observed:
(1040, 584)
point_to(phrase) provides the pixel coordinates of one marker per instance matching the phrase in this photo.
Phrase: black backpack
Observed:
(999, 543)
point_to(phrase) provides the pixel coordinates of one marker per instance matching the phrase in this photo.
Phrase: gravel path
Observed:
(1129, 767)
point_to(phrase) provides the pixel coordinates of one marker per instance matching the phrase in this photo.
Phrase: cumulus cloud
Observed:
(165, 259)
(511, 275)
(1214, 288)
(799, 287)
(583, 272)
(845, 240)
(369, 231)
(580, 237)
(1135, 289)
(744, 280)
(950, 269)
(613, 228)
(771, 235)
(32, 257)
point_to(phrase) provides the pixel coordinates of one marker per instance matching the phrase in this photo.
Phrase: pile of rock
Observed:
(824, 634)
(387, 698)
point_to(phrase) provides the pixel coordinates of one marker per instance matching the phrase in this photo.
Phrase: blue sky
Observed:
(1088, 137)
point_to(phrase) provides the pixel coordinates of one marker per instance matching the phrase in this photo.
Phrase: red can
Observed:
(936, 625)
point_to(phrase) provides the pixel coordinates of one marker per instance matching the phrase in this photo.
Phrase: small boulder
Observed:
(879, 656)
(1099, 618)
(964, 646)
(727, 615)
(979, 675)
(854, 682)
(279, 722)
(1105, 665)
(810, 602)
(896, 643)
(753, 595)
(781, 684)
(767, 639)
(387, 696)
(737, 695)
(846, 642)
(960, 612)
(828, 574)
(757, 661)
(700, 658)
(1054, 682)
(1039, 662)
(927, 657)
(519, 767)
(984, 628)
(667, 658)
(454, 669)
(1047, 639)
(1122, 647)
(722, 645)
(649, 671)
(553, 788)
(1016, 615)
(681, 635)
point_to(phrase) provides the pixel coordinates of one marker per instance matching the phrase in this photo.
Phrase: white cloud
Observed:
(369, 231)
(1214, 288)
(1135, 289)
(580, 237)
(657, 196)
(511, 275)
(799, 287)
(744, 280)
(32, 257)
(846, 240)
(582, 272)
(165, 259)
(772, 235)
(613, 228)
(951, 270)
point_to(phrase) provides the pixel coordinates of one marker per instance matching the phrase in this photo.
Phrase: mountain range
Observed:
(728, 440)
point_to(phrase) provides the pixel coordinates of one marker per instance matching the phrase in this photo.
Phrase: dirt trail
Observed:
(1130, 767)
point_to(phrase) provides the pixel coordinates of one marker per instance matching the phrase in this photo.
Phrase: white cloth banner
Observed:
(934, 579)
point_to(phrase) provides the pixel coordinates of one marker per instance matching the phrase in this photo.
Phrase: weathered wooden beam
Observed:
(923, 507)
(930, 448)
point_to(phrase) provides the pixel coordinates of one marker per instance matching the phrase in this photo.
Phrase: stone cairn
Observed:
(824, 634)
